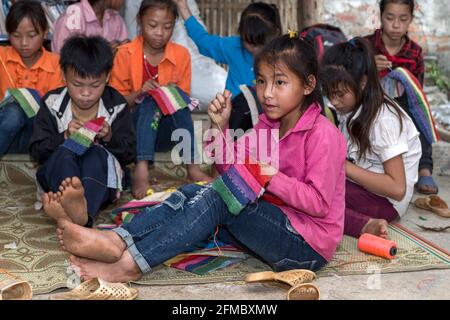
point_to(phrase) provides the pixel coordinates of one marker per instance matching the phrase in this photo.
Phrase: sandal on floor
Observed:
(426, 181)
(438, 206)
(304, 291)
(98, 289)
(290, 277)
(14, 288)
(434, 204)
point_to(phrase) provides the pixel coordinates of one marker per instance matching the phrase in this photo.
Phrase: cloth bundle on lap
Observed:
(240, 185)
(170, 99)
(80, 141)
(28, 99)
(417, 101)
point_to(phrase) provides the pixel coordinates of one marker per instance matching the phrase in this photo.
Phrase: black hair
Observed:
(160, 4)
(410, 3)
(345, 67)
(87, 56)
(298, 56)
(260, 22)
(26, 9)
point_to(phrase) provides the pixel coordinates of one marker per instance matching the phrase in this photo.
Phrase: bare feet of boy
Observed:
(377, 227)
(71, 193)
(104, 246)
(53, 208)
(140, 180)
(124, 270)
(195, 174)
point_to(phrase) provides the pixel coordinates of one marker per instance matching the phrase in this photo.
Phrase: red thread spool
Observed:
(377, 246)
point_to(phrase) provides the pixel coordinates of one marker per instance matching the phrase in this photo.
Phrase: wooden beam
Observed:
(309, 12)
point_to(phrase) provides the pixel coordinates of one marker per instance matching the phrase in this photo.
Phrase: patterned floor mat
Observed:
(32, 251)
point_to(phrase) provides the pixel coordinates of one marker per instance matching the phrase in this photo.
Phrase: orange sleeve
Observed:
(120, 74)
(50, 80)
(185, 72)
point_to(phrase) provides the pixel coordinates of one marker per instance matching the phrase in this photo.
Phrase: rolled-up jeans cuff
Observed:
(133, 250)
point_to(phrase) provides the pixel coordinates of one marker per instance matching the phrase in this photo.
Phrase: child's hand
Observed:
(105, 133)
(219, 109)
(183, 8)
(73, 127)
(150, 85)
(382, 62)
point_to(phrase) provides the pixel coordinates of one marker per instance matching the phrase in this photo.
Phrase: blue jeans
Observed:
(149, 139)
(91, 168)
(191, 214)
(15, 129)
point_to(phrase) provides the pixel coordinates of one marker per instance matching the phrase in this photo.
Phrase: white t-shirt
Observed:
(388, 142)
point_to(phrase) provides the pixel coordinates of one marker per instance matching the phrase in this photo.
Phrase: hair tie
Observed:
(352, 42)
(292, 34)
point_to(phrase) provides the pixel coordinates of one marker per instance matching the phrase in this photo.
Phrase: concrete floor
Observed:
(432, 284)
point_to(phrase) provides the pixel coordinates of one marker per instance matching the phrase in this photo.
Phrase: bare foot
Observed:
(124, 270)
(104, 246)
(377, 227)
(140, 181)
(71, 192)
(53, 208)
(195, 174)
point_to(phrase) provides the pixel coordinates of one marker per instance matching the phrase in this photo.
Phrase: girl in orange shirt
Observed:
(24, 64)
(149, 61)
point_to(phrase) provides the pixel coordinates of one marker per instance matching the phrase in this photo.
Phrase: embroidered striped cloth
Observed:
(417, 101)
(171, 98)
(80, 141)
(240, 185)
(209, 256)
(28, 99)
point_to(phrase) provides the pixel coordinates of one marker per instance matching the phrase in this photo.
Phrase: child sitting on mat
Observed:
(297, 224)
(383, 147)
(393, 48)
(24, 65)
(150, 61)
(95, 177)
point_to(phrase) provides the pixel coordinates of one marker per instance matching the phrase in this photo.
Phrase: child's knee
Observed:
(12, 118)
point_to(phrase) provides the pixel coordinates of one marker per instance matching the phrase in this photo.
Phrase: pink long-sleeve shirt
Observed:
(311, 175)
(80, 18)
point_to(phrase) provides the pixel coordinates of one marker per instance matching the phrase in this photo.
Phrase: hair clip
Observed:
(292, 34)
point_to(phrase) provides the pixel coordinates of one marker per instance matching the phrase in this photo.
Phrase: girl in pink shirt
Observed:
(297, 224)
(91, 18)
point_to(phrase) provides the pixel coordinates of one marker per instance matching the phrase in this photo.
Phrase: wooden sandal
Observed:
(438, 206)
(290, 277)
(304, 291)
(14, 288)
(98, 289)
(434, 204)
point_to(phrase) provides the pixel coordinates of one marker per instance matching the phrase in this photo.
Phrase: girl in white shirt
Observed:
(383, 146)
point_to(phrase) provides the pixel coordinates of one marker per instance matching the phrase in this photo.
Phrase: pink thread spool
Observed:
(377, 246)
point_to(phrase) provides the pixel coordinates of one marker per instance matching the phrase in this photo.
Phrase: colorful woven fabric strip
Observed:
(239, 186)
(417, 102)
(28, 99)
(236, 179)
(81, 141)
(234, 206)
(171, 98)
(249, 179)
